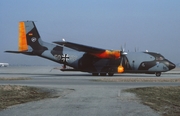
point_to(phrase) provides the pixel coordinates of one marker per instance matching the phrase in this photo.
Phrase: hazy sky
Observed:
(152, 25)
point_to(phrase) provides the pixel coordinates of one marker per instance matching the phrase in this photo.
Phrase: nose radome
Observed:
(171, 65)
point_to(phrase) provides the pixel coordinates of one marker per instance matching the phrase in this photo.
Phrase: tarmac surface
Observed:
(78, 94)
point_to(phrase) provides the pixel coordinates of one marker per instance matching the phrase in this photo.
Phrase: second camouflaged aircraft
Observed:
(89, 59)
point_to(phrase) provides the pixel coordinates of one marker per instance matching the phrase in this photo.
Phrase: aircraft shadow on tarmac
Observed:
(77, 75)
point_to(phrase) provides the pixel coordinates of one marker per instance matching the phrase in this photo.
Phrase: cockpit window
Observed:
(157, 56)
(160, 58)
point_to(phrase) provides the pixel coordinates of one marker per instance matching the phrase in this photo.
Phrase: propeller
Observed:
(123, 50)
(120, 68)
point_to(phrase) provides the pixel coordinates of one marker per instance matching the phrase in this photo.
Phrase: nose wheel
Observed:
(158, 74)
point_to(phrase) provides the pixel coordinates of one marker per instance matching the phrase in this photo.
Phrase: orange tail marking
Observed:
(22, 46)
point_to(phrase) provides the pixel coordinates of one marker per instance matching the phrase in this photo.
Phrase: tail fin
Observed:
(29, 38)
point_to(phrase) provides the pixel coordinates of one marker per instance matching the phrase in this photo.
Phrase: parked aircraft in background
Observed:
(89, 59)
(4, 64)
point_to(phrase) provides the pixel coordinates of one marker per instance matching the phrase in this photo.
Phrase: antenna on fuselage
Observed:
(63, 40)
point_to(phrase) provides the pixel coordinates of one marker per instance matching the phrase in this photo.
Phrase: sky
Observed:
(140, 25)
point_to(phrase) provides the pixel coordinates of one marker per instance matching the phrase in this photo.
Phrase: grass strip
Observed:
(15, 94)
(165, 100)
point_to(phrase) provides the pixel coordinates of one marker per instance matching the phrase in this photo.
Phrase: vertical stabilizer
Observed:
(29, 41)
(29, 38)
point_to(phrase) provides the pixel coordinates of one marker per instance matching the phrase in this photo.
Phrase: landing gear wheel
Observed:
(103, 74)
(95, 74)
(158, 74)
(110, 74)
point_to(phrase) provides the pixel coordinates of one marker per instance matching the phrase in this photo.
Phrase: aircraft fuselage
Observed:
(133, 62)
(87, 58)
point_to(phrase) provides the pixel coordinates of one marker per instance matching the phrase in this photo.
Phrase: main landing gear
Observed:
(158, 74)
(102, 74)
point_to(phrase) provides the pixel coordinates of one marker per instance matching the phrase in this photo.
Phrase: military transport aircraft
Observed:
(89, 59)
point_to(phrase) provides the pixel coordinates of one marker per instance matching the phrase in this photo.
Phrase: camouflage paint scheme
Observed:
(89, 59)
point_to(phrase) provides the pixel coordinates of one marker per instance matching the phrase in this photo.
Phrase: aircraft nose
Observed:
(171, 65)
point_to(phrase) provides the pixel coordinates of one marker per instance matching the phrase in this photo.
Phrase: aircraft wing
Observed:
(98, 52)
(80, 47)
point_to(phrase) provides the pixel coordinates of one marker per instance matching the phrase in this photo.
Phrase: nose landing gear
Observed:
(158, 74)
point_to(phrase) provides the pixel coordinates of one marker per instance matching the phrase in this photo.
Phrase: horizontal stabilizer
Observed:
(20, 52)
(15, 51)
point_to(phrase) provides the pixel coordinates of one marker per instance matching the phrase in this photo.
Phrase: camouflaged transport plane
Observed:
(89, 59)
